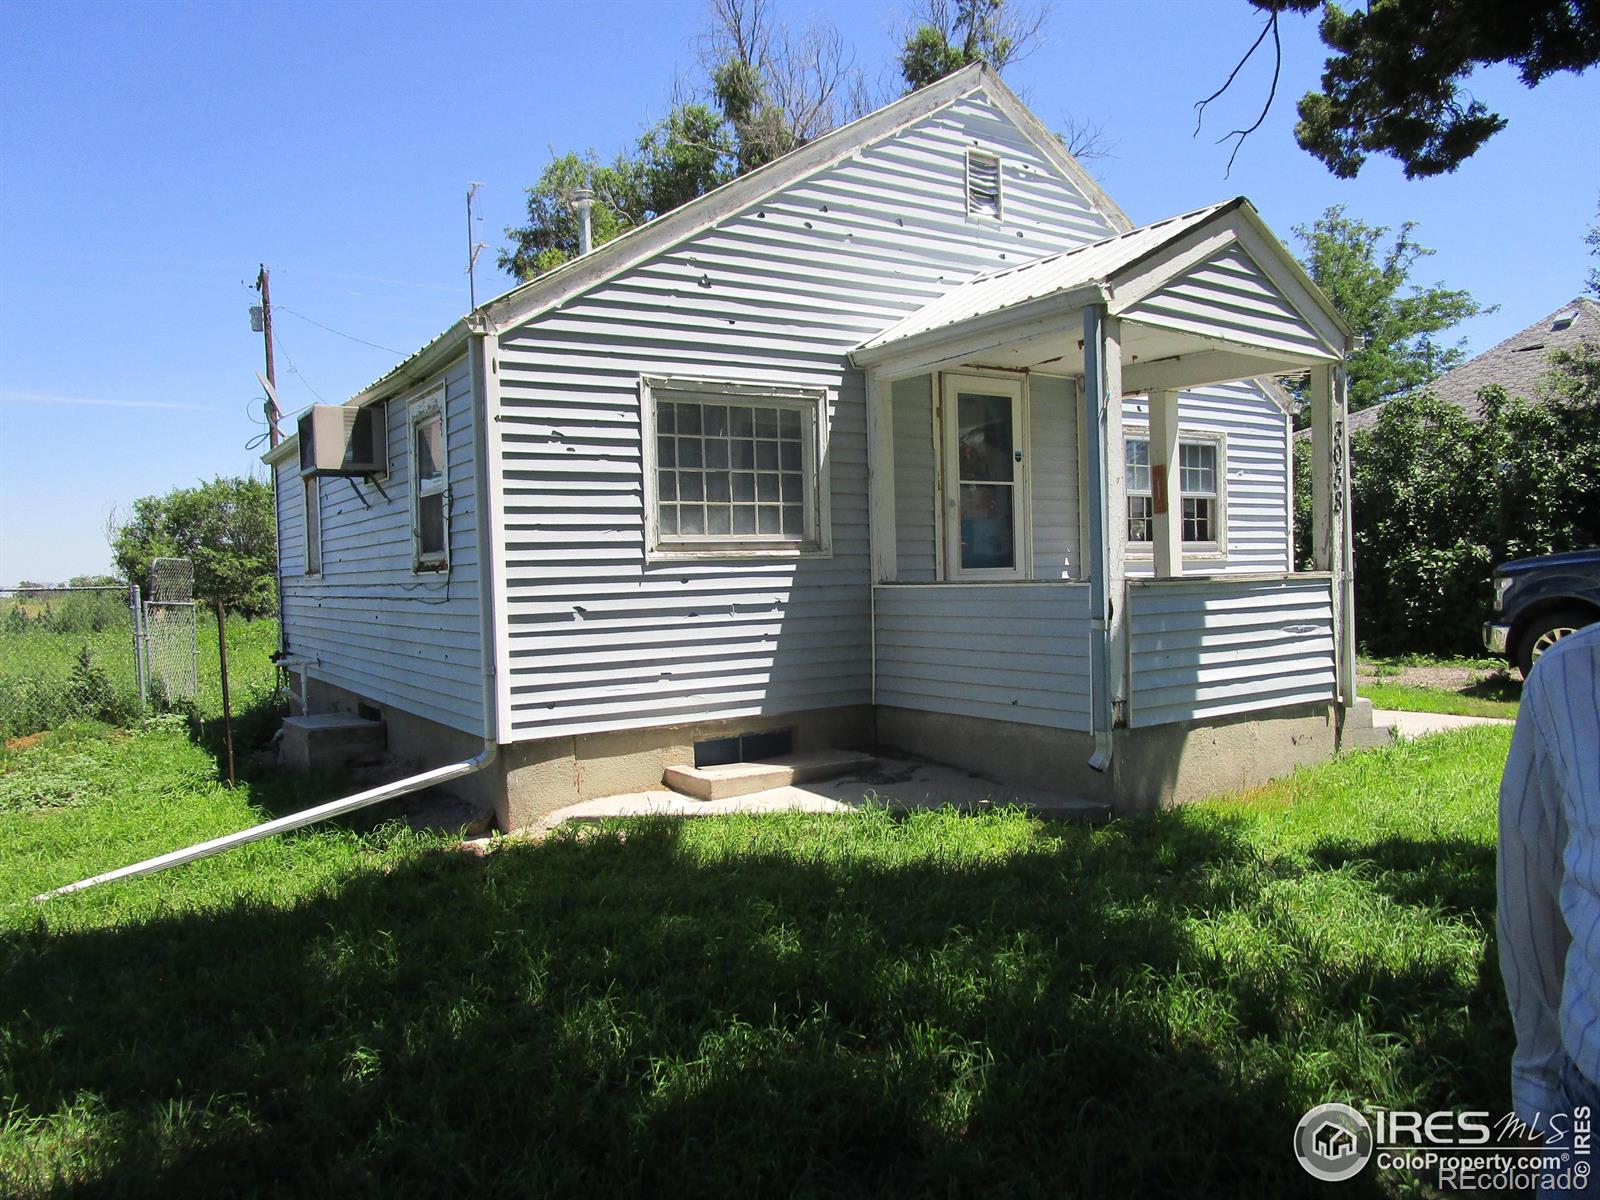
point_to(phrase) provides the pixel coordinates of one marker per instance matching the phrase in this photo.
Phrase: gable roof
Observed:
(576, 275)
(1518, 364)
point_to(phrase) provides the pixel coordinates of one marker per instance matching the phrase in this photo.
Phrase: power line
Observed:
(340, 333)
(294, 370)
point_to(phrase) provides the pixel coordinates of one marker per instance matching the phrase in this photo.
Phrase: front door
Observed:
(985, 477)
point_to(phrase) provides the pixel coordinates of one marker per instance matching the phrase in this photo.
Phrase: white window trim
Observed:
(311, 515)
(813, 404)
(950, 478)
(1216, 551)
(424, 408)
(999, 185)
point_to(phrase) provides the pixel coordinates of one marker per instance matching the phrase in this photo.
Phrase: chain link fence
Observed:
(169, 632)
(67, 653)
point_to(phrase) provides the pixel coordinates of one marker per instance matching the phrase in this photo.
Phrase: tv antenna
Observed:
(473, 248)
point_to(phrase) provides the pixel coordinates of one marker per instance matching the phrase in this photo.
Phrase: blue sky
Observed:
(151, 155)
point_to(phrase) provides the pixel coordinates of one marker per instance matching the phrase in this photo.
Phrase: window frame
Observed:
(813, 404)
(999, 184)
(1216, 550)
(428, 407)
(951, 384)
(311, 524)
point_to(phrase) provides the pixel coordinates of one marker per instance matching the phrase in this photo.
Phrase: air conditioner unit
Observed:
(336, 439)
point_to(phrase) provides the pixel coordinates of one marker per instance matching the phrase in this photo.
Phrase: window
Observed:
(1199, 491)
(983, 433)
(983, 184)
(733, 470)
(1197, 486)
(430, 486)
(1141, 505)
(313, 523)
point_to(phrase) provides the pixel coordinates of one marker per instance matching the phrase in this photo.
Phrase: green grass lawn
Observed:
(819, 1005)
(1409, 698)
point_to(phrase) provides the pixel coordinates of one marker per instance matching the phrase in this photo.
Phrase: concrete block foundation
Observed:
(1151, 767)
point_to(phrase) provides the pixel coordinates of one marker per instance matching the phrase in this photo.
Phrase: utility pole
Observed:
(263, 286)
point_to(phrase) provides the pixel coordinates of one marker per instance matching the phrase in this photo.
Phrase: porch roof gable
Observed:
(1156, 274)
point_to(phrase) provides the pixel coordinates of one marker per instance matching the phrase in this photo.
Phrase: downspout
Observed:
(1094, 405)
(401, 787)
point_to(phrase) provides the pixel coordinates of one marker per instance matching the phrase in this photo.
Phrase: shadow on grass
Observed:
(652, 1013)
(1500, 685)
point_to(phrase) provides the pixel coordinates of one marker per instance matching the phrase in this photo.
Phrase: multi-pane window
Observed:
(734, 471)
(1197, 485)
(1141, 506)
(430, 491)
(1198, 490)
(312, 492)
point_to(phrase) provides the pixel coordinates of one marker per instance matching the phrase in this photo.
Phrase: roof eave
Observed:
(282, 450)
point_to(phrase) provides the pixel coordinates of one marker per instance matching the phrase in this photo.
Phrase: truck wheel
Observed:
(1545, 631)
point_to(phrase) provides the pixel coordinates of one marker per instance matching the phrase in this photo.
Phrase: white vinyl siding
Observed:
(1231, 299)
(915, 480)
(1254, 431)
(1053, 446)
(1005, 652)
(600, 637)
(1209, 647)
(374, 627)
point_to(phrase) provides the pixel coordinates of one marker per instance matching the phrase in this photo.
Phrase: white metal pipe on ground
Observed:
(333, 808)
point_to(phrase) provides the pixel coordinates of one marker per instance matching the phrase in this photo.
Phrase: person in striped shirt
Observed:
(1549, 889)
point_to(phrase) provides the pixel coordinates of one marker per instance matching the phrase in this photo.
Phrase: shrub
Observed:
(1438, 499)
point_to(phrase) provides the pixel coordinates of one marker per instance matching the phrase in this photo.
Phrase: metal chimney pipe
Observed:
(583, 200)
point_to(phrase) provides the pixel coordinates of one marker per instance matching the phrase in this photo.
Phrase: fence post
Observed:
(227, 707)
(136, 610)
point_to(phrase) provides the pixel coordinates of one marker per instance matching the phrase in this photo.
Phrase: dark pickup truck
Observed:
(1540, 600)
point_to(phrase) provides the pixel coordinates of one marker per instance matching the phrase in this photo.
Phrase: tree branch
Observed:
(1270, 27)
(1272, 92)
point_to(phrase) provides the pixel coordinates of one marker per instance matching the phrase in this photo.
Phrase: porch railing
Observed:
(1212, 645)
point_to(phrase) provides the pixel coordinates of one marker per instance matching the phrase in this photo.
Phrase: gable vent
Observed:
(983, 184)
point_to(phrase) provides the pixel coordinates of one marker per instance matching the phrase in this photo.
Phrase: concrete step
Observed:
(330, 740)
(741, 779)
(1367, 739)
(1361, 731)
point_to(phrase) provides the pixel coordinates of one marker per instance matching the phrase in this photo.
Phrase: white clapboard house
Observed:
(909, 439)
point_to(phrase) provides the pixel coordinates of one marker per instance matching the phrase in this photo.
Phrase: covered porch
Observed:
(1082, 515)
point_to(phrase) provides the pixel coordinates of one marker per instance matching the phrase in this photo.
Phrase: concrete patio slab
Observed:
(903, 784)
(1418, 724)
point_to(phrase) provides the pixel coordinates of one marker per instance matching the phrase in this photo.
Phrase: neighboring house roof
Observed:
(1097, 265)
(576, 275)
(1517, 364)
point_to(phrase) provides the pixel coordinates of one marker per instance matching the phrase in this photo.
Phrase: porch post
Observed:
(1330, 513)
(880, 478)
(1102, 433)
(1168, 531)
(1346, 576)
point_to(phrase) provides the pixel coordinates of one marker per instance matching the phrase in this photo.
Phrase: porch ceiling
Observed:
(1204, 297)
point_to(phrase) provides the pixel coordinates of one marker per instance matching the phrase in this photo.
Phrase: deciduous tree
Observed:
(226, 527)
(1399, 320)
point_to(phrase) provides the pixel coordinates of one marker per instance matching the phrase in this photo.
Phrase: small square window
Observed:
(736, 473)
